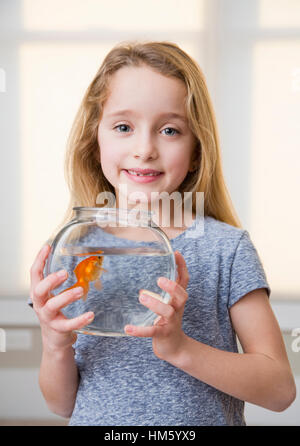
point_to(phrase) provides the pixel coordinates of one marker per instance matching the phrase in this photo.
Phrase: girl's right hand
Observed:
(57, 330)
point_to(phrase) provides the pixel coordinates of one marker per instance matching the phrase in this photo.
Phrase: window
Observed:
(51, 51)
(250, 54)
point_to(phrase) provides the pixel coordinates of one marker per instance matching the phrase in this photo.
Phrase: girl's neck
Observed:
(165, 215)
(171, 219)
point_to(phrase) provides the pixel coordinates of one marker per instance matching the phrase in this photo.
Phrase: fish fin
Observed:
(86, 289)
(104, 270)
(98, 284)
(84, 297)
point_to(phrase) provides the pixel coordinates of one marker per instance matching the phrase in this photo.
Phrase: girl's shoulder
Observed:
(222, 230)
(221, 225)
(216, 242)
(210, 231)
(211, 245)
(225, 250)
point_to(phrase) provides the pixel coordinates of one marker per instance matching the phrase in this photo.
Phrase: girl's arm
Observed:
(58, 377)
(262, 374)
(59, 380)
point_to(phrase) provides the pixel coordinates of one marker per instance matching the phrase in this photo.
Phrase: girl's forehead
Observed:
(139, 87)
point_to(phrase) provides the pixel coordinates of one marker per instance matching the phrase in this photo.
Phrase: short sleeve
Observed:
(247, 272)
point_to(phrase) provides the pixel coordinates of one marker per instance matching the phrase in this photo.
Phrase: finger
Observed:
(57, 303)
(155, 305)
(64, 325)
(42, 290)
(141, 332)
(36, 271)
(183, 274)
(177, 293)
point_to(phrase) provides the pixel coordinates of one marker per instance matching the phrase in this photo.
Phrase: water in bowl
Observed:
(117, 303)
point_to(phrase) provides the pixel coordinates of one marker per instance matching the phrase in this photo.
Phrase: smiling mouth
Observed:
(139, 177)
(139, 174)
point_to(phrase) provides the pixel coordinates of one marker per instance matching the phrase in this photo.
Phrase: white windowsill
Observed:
(16, 312)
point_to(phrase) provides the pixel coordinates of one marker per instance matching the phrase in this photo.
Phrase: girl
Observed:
(148, 108)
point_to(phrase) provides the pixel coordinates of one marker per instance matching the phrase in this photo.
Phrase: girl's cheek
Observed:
(109, 156)
(179, 169)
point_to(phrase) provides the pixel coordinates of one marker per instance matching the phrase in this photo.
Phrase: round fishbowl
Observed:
(112, 254)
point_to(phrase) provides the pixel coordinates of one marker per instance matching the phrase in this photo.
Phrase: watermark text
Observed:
(167, 210)
(2, 340)
(2, 81)
(296, 341)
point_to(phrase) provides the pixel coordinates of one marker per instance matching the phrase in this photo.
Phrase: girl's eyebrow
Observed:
(161, 115)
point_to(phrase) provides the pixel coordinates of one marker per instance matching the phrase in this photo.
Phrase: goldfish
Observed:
(87, 271)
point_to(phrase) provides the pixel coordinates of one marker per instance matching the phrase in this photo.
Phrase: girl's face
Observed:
(139, 130)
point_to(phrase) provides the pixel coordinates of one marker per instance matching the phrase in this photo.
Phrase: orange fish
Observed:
(88, 270)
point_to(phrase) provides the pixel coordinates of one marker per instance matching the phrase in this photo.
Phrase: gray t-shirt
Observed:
(122, 382)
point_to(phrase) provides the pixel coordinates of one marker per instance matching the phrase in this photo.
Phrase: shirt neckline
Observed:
(175, 239)
(190, 228)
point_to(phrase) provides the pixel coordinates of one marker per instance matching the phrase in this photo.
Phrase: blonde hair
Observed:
(83, 170)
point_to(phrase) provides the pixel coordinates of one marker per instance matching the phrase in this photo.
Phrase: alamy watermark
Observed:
(2, 340)
(295, 85)
(181, 207)
(2, 81)
(296, 342)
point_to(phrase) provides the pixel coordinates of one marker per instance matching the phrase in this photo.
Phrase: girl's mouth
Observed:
(142, 178)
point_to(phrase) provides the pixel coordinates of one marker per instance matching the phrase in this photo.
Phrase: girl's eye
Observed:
(121, 125)
(122, 129)
(173, 130)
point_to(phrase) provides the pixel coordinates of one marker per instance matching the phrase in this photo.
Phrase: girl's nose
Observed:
(145, 148)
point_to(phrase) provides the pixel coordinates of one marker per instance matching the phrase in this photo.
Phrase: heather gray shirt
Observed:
(122, 382)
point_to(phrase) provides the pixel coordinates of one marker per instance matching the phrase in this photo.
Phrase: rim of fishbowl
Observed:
(114, 210)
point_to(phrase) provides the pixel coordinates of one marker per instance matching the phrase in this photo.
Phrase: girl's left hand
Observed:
(167, 335)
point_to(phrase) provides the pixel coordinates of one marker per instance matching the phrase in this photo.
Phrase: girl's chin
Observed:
(135, 199)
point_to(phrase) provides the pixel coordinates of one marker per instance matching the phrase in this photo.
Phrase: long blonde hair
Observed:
(83, 170)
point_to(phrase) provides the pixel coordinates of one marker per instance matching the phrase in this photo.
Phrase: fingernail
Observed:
(157, 320)
(61, 273)
(90, 316)
(147, 293)
(163, 280)
(144, 298)
(78, 291)
(129, 329)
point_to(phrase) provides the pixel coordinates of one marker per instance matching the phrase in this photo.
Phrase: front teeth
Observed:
(142, 174)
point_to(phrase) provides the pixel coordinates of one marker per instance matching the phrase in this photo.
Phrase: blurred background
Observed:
(249, 51)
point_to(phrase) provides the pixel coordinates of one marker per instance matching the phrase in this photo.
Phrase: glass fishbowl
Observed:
(113, 254)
